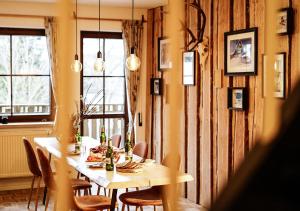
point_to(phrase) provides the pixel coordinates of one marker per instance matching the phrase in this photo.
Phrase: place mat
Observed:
(129, 170)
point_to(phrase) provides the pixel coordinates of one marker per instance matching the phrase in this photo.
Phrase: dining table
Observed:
(152, 174)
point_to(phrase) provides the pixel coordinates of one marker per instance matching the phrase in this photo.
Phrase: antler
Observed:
(201, 23)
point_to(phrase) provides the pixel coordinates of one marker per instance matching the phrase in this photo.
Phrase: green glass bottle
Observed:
(109, 157)
(102, 137)
(128, 148)
(78, 142)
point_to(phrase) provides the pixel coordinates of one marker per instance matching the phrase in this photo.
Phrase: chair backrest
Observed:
(31, 158)
(141, 149)
(116, 140)
(46, 169)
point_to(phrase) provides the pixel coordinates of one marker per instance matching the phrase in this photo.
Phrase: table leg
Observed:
(45, 190)
(113, 199)
(165, 201)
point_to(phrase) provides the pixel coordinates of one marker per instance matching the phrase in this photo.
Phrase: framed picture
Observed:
(164, 56)
(156, 86)
(241, 52)
(279, 75)
(285, 21)
(189, 67)
(237, 98)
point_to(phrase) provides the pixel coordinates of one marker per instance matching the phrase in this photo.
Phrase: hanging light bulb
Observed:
(133, 62)
(99, 64)
(76, 65)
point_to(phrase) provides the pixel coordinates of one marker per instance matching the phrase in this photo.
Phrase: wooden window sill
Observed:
(26, 125)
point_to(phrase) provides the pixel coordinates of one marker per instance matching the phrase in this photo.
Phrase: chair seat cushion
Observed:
(92, 202)
(147, 197)
(78, 184)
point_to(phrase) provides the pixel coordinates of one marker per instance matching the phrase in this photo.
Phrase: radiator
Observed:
(13, 161)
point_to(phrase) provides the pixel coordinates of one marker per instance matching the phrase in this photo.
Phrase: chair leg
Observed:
(136, 208)
(47, 201)
(37, 193)
(141, 208)
(98, 191)
(123, 207)
(154, 208)
(30, 195)
(90, 191)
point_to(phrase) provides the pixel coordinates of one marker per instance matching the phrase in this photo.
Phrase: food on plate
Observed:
(129, 165)
(94, 159)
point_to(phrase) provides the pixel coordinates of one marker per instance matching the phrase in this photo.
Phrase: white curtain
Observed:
(51, 36)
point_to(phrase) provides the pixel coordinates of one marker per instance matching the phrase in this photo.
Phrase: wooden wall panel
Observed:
(216, 140)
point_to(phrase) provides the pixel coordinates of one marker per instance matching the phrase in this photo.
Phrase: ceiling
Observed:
(114, 3)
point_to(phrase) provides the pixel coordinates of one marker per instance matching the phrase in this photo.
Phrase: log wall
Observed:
(215, 140)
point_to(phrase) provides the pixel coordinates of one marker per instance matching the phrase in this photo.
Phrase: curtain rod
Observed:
(74, 16)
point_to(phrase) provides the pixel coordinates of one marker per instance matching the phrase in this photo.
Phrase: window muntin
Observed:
(25, 85)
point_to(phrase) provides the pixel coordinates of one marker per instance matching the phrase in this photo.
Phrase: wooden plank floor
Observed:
(16, 200)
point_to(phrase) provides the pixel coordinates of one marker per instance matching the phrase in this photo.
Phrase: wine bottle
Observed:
(77, 142)
(102, 137)
(128, 148)
(109, 157)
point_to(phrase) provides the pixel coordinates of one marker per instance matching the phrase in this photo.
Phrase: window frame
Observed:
(102, 35)
(27, 118)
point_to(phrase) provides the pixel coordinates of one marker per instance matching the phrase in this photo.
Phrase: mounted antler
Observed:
(201, 23)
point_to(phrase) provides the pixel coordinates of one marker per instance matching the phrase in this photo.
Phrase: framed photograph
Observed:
(156, 86)
(279, 75)
(237, 98)
(241, 52)
(164, 55)
(285, 21)
(189, 67)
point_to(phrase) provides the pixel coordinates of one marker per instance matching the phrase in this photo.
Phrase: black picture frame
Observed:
(285, 21)
(189, 59)
(232, 58)
(156, 86)
(281, 74)
(232, 93)
(163, 54)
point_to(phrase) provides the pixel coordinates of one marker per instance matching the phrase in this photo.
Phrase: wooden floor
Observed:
(17, 200)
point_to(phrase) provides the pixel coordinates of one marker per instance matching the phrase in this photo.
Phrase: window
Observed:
(25, 93)
(110, 105)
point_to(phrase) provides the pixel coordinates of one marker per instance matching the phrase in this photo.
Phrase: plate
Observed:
(96, 165)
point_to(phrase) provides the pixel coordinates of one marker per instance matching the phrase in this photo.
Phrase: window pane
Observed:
(5, 95)
(30, 55)
(31, 95)
(5, 55)
(113, 126)
(114, 95)
(114, 57)
(90, 50)
(93, 94)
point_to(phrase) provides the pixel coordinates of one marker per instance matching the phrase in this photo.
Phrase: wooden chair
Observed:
(141, 149)
(116, 140)
(34, 169)
(47, 173)
(148, 197)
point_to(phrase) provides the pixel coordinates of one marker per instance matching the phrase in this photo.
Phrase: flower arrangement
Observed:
(87, 108)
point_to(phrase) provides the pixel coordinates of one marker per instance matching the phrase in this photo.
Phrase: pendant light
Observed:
(132, 62)
(99, 64)
(76, 65)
